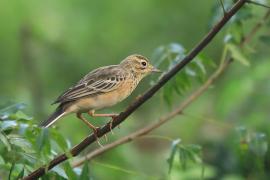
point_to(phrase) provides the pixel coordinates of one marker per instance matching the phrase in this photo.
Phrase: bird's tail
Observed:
(58, 113)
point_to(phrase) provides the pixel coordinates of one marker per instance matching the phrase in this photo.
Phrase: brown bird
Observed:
(101, 88)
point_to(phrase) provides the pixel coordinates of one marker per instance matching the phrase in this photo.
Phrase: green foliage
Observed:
(237, 54)
(256, 143)
(166, 57)
(187, 154)
(25, 147)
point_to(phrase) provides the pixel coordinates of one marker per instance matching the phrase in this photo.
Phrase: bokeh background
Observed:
(47, 46)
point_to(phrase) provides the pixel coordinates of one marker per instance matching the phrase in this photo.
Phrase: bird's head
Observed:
(139, 65)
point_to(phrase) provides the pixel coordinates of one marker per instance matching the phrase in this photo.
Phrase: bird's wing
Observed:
(99, 81)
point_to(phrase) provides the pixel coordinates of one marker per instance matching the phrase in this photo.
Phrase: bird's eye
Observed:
(143, 63)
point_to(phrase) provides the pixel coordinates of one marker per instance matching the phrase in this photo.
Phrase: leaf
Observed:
(176, 48)
(2, 160)
(188, 153)
(182, 82)
(21, 142)
(159, 56)
(195, 148)
(21, 115)
(59, 139)
(237, 55)
(183, 157)
(7, 125)
(69, 172)
(259, 144)
(20, 175)
(85, 172)
(190, 71)
(43, 139)
(5, 141)
(198, 69)
(11, 170)
(12, 108)
(60, 172)
(243, 137)
(173, 151)
(228, 38)
(168, 93)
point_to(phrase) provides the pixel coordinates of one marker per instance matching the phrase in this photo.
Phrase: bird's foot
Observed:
(95, 132)
(111, 122)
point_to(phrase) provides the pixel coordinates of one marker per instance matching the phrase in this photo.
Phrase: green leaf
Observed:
(237, 54)
(11, 170)
(199, 70)
(182, 82)
(7, 125)
(21, 115)
(5, 141)
(19, 141)
(194, 148)
(176, 48)
(158, 56)
(189, 71)
(174, 147)
(43, 139)
(85, 172)
(69, 172)
(20, 175)
(60, 172)
(168, 93)
(188, 153)
(59, 139)
(242, 138)
(2, 160)
(259, 144)
(183, 157)
(12, 108)
(242, 131)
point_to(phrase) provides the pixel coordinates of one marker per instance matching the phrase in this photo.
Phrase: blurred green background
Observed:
(47, 46)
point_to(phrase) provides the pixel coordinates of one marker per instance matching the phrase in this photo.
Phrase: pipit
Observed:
(101, 88)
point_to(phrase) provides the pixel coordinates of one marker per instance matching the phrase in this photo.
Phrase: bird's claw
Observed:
(111, 122)
(95, 131)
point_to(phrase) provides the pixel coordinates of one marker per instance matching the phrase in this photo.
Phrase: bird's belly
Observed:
(98, 102)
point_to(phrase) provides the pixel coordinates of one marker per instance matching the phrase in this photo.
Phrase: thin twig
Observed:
(223, 8)
(222, 67)
(258, 4)
(256, 28)
(146, 96)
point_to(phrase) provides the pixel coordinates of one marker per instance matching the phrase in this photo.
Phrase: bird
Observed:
(101, 88)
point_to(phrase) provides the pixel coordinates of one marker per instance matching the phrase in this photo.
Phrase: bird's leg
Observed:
(92, 113)
(95, 129)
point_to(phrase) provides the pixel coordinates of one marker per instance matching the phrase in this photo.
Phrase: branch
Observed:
(195, 95)
(147, 95)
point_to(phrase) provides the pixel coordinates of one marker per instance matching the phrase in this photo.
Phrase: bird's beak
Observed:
(156, 70)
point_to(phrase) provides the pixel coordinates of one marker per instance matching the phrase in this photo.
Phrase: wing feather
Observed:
(99, 81)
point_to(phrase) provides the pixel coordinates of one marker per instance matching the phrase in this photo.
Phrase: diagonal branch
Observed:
(195, 95)
(147, 95)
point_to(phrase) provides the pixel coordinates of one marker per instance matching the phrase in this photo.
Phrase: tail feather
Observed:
(59, 112)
